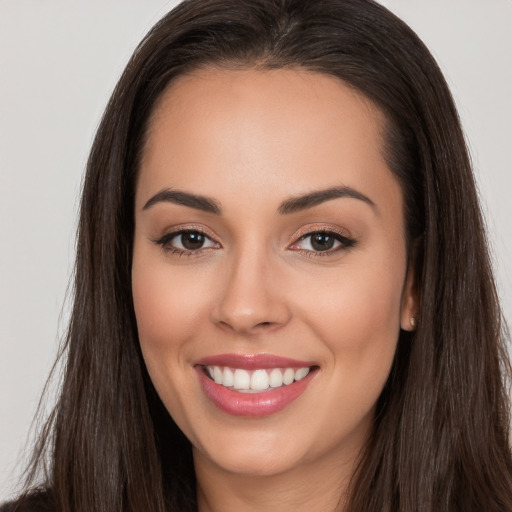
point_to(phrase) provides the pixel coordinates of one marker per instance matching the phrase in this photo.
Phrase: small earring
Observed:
(413, 322)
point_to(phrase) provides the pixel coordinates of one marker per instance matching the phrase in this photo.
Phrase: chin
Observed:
(251, 463)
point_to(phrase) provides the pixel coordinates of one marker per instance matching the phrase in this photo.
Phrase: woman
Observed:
(283, 295)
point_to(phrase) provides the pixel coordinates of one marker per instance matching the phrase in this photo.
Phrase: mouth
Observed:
(255, 381)
(254, 385)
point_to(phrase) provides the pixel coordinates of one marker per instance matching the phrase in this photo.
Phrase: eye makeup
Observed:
(320, 241)
(187, 241)
(313, 241)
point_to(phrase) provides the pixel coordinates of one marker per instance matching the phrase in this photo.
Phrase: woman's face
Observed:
(269, 269)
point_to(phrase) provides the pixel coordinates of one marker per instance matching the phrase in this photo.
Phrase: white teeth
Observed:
(288, 376)
(276, 378)
(228, 379)
(257, 380)
(241, 379)
(217, 375)
(301, 373)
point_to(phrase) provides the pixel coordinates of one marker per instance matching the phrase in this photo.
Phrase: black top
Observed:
(37, 501)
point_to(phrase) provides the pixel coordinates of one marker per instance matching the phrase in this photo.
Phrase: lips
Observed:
(253, 385)
(255, 380)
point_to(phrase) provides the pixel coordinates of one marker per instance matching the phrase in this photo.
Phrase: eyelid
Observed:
(175, 231)
(346, 240)
(183, 228)
(321, 228)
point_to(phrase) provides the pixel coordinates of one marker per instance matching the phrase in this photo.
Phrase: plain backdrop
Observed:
(59, 61)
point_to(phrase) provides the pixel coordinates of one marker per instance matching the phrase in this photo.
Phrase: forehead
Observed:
(269, 131)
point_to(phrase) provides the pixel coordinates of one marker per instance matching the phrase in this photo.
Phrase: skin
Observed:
(251, 139)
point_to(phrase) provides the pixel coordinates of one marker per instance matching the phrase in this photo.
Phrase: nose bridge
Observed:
(250, 299)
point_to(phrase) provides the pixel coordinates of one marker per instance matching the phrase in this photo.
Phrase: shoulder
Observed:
(36, 501)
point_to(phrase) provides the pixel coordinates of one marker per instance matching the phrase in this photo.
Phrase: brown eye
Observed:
(186, 242)
(192, 240)
(322, 241)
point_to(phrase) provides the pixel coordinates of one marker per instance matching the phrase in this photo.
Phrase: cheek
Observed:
(157, 310)
(167, 309)
(358, 317)
(167, 306)
(358, 305)
(361, 337)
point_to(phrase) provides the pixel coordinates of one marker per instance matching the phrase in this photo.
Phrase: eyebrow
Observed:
(304, 202)
(167, 195)
(292, 205)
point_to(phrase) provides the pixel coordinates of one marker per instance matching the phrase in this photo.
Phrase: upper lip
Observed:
(252, 361)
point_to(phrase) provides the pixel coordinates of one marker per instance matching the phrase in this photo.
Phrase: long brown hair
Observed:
(440, 440)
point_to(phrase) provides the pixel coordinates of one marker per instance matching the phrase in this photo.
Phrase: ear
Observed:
(409, 307)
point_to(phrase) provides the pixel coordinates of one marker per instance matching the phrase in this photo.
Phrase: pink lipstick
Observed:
(253, 385)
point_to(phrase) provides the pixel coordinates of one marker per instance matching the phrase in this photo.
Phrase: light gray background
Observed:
(59, 61)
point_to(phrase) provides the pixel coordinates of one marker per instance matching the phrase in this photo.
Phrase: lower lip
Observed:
(252, 404)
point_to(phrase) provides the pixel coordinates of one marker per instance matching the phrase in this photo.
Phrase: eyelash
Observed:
(165, 242)
(345, 243)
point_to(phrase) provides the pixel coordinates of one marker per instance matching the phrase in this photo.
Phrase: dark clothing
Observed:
(38, 501)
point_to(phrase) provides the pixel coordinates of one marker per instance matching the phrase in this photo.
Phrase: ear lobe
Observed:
(409, 306)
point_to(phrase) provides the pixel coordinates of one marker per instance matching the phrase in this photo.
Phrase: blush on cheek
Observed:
(159, 329)
(160, 305)
(363, 331)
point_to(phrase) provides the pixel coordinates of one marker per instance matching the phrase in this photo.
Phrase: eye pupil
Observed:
(322, 241)
(192, 240)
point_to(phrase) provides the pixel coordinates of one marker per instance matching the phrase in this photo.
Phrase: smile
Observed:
(253, 385)
(247, 381)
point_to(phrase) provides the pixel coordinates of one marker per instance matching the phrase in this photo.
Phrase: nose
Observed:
(252, 296)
